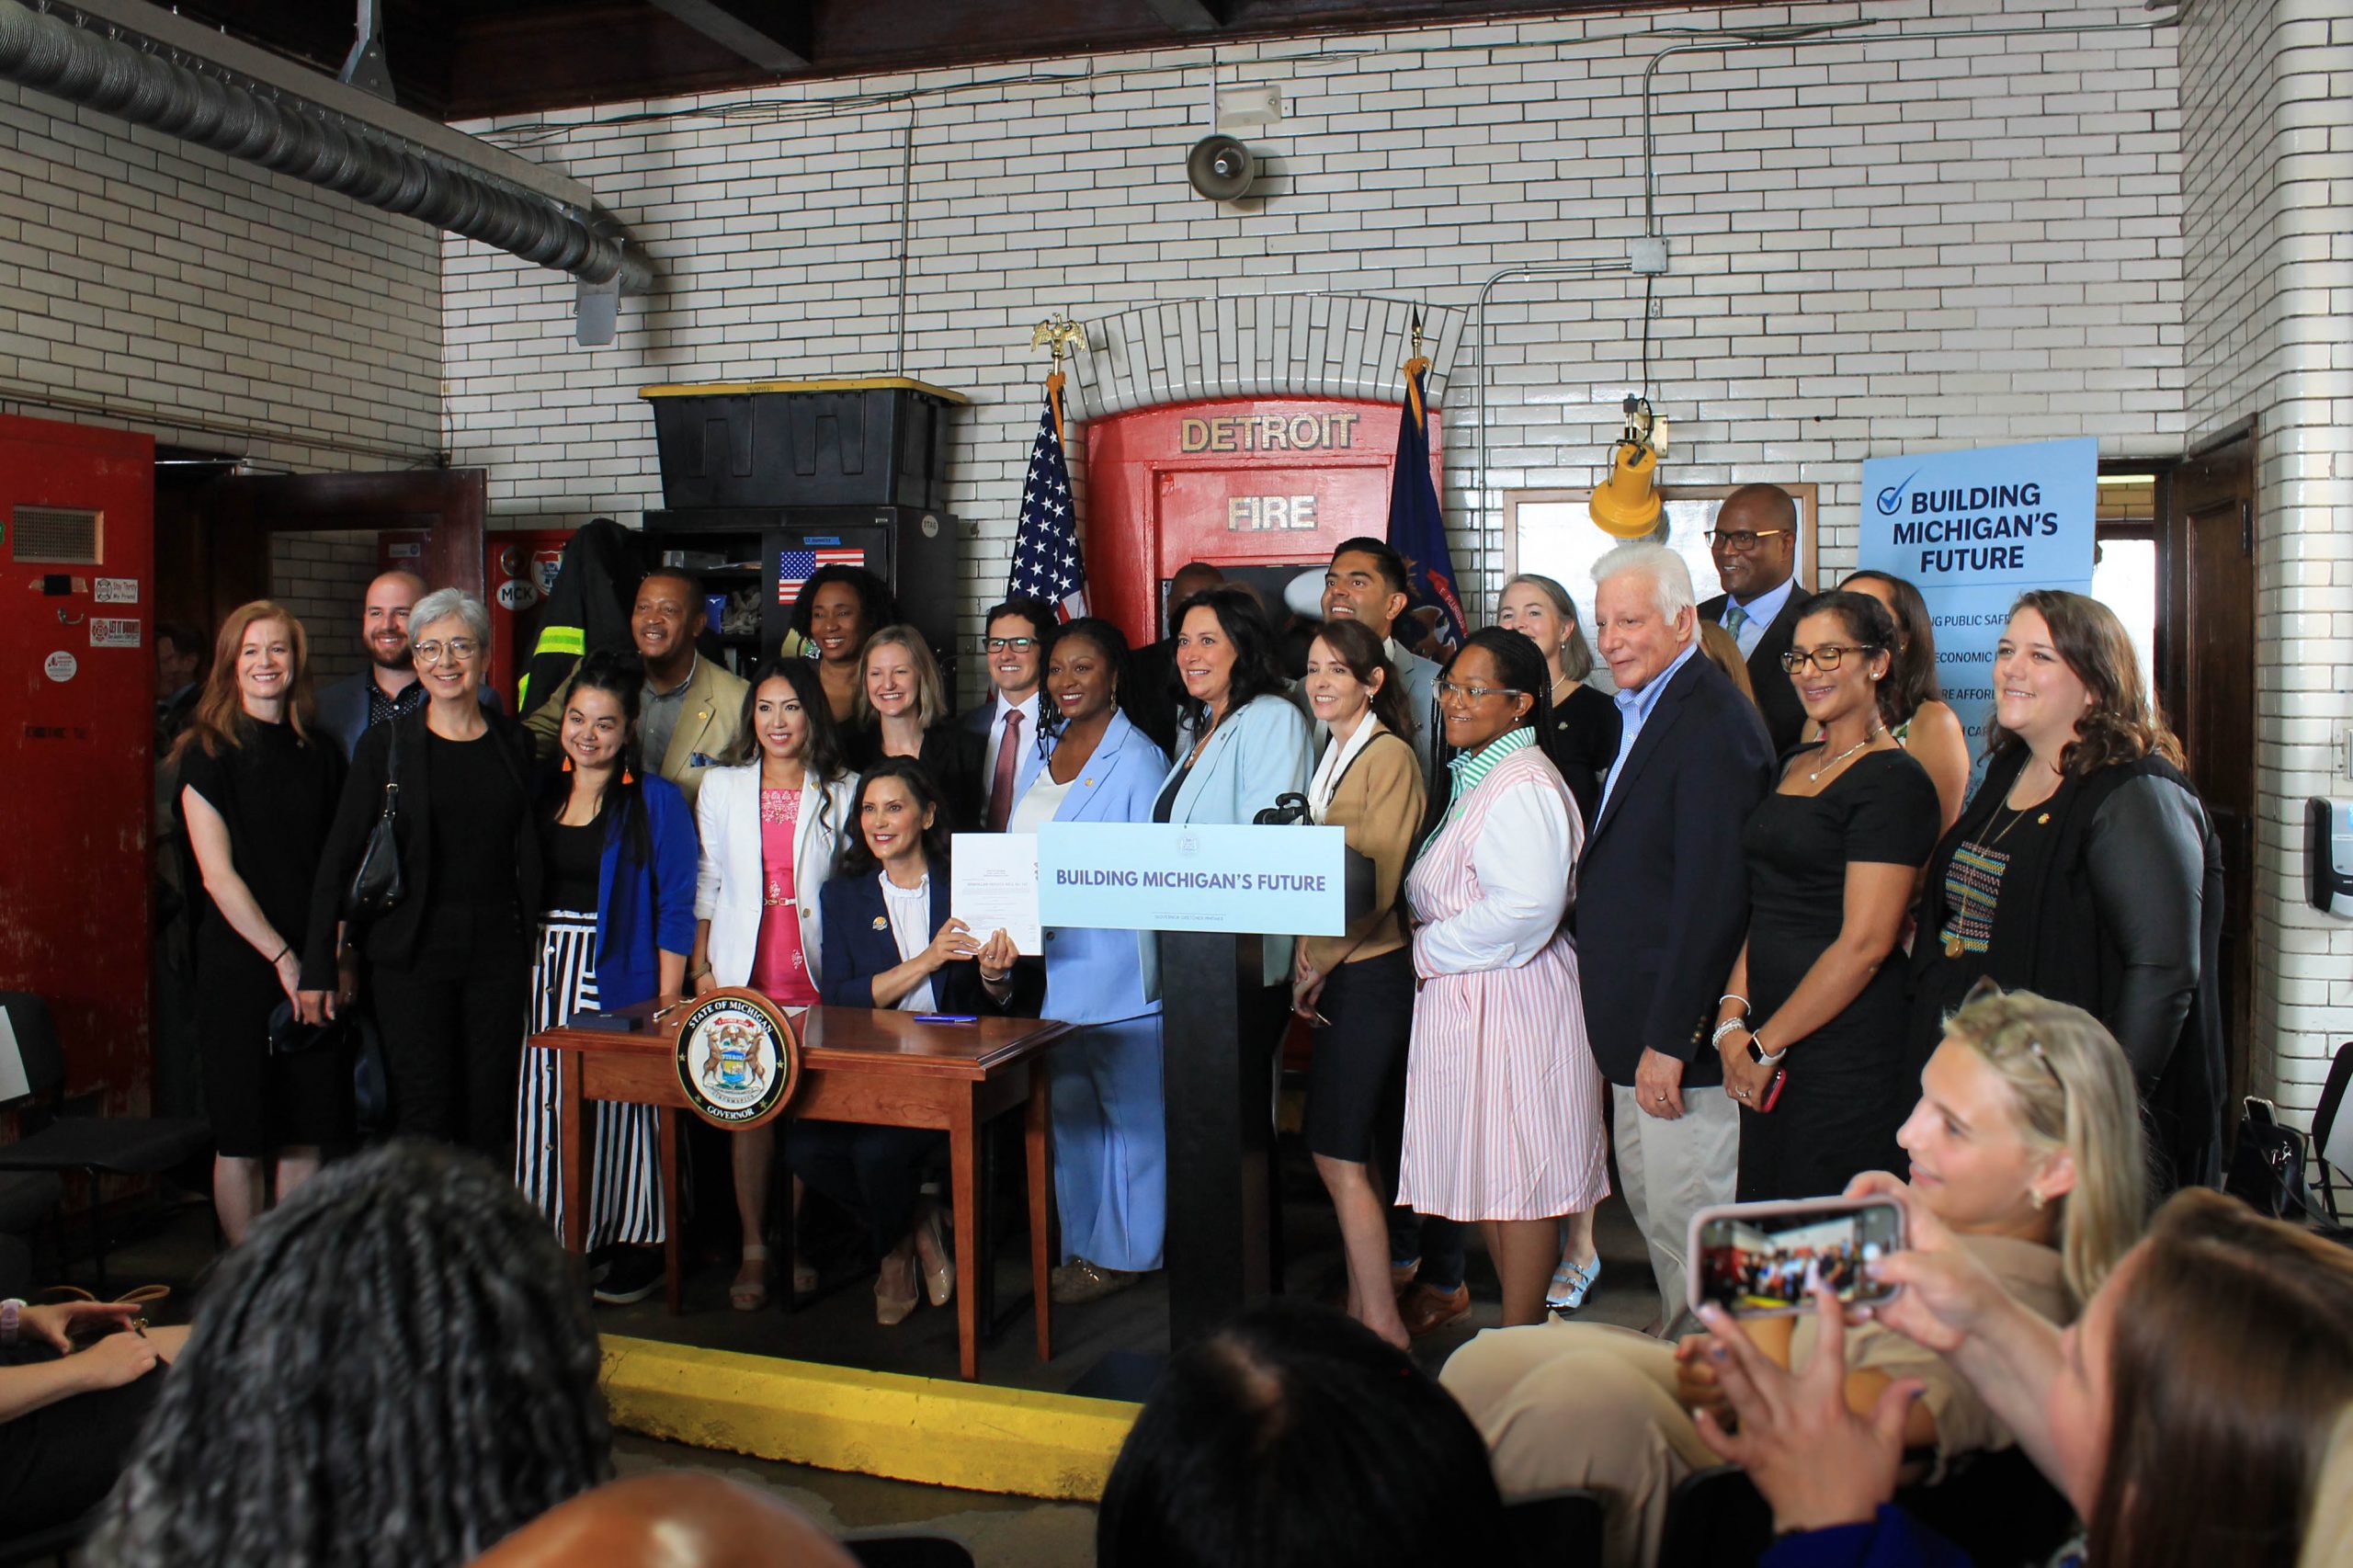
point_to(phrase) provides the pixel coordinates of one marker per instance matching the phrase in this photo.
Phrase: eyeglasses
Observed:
(1740, 541)
(1477, 693)
(460, 649)
(1018, 645)
(1827, 657)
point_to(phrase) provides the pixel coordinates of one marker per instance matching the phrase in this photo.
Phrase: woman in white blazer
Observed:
(771, 822)
(1241, 741)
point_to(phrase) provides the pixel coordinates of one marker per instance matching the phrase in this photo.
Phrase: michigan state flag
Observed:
(1416, 527)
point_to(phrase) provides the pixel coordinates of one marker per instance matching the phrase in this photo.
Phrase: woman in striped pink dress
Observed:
(1502, 1101)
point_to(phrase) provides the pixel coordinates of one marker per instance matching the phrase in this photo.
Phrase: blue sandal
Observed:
(1570, 1284)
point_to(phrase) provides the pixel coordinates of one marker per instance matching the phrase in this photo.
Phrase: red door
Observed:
(77, 735)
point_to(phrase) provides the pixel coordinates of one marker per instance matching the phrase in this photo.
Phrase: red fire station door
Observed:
(1244, 482)
(77, 731)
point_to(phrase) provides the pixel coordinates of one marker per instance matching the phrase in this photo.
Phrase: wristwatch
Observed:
(1756, 1052)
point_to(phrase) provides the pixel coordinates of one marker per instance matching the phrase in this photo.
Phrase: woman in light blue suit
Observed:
(1111, 1129)
(1241, 741)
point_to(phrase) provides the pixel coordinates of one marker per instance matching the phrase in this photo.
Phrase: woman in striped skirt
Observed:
(617, 921)
(1502, 1101)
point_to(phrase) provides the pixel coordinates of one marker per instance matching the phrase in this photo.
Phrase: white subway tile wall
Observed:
(322, 578)
(151, 285)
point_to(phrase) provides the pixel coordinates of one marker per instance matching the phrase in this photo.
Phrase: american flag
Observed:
(794, 567)
(1046, 560)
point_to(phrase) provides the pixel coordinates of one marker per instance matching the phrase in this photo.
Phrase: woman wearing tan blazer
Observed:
(1357, 988)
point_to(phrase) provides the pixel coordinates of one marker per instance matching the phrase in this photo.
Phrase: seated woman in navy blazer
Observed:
(889, 942)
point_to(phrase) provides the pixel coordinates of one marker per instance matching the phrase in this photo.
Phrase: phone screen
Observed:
(1765, 1257)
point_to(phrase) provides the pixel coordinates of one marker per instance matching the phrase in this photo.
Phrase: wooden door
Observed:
(2210, 660)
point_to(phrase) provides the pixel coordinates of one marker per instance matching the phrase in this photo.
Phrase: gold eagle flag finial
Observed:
(1061, 334)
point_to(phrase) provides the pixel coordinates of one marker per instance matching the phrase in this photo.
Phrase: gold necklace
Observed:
(1815, 776)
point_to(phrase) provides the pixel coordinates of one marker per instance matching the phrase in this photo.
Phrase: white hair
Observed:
(443, 603)
(1670, 579)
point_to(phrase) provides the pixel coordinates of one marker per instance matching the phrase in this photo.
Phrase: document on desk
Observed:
(995, 887)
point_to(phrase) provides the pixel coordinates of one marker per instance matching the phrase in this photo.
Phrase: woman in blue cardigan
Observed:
(889, 942)
(1111, 1129)
(616, 922)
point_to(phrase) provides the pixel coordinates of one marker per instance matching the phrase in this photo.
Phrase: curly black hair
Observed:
(876, 607)
(397, 1368)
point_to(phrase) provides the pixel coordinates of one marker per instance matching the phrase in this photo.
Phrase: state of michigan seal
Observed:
(739, 1060)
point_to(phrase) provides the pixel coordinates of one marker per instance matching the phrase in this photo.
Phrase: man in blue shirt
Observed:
(1663, 900)
(1755, 543)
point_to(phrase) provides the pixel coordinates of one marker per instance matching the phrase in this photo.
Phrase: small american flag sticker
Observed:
(795, 567)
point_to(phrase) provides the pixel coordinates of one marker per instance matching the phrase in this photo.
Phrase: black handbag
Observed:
(375, 886)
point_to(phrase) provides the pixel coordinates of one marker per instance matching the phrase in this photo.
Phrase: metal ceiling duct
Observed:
(65, 55)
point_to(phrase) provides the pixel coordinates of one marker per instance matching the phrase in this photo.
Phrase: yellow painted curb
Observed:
(922, 1430)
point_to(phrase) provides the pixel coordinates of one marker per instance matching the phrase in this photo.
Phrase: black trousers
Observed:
(58, 1462)
(876, 1173)
(452, 1020)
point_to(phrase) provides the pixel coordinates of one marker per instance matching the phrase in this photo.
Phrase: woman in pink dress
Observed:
(771, 823)
(1502, 1101)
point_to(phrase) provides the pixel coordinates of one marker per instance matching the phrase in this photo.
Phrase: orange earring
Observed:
(567, 762)
(626, 779)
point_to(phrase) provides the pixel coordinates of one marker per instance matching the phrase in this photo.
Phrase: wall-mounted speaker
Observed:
(1220, 167)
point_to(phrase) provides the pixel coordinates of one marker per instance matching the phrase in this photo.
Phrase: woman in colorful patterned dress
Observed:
(1502, 1101)
(772, 823)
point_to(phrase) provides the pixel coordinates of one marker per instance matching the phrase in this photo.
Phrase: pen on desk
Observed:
(948, 1018)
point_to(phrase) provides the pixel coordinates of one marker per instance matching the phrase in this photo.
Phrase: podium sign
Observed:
(1193, 877)
(739, 1060)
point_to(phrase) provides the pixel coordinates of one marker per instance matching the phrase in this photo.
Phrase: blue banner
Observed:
(1190, 877)
(1973, 530)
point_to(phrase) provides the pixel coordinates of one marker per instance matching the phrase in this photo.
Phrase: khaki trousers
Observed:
(1670, 1171)
(1564, 1404)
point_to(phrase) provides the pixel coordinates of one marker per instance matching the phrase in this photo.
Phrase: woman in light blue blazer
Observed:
(1241, 741)
(1110, 1127)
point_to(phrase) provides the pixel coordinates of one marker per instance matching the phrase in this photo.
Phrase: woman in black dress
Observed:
(1811, 1024)
(256, 792)
(1582, 736)
(2086, 869)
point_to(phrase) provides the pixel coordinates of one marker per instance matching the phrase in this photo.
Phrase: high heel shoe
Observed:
(891, 1310)
(939, 1278)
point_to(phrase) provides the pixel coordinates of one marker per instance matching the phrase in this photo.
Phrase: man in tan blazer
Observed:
(690, 710)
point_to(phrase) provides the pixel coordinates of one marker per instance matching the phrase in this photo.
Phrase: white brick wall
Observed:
(322, 578)
(2267, 89)
(1906, 242)
(148, 284)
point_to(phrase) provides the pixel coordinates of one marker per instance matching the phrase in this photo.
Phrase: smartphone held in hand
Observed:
(1763, 1259)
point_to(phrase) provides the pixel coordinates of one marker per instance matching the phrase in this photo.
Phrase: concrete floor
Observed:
(838, 1327)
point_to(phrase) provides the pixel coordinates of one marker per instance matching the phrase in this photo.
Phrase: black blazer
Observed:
(1583, 744)
(1663, 889)
(1148, 691)
(952, 755)
(1776, 694)
(392, 939)
(859, 946)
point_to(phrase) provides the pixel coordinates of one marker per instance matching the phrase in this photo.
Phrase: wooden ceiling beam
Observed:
(1189, 15)
(775, 35)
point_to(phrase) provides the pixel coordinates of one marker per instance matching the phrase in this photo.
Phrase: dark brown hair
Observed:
(1874, 630)
(1361, 652)
(1914, 677)
(2232, 1359)
(217, 722)
(2124, 723)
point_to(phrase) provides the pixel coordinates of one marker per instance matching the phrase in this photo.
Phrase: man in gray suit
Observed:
(1367, 583)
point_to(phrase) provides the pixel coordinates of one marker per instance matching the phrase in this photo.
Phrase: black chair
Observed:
(1560, 1529)
(1996, 1506)
(93, 1146)
(2331, 1100)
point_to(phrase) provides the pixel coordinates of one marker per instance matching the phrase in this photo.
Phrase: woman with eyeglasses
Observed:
(1502, 1101)
(1811, 1013)
(449, 964)
(2087, 868)
(2025, 1144)
(902, 710)
(1917, 715)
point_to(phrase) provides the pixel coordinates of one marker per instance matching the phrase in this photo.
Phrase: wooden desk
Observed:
(876, 1066)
